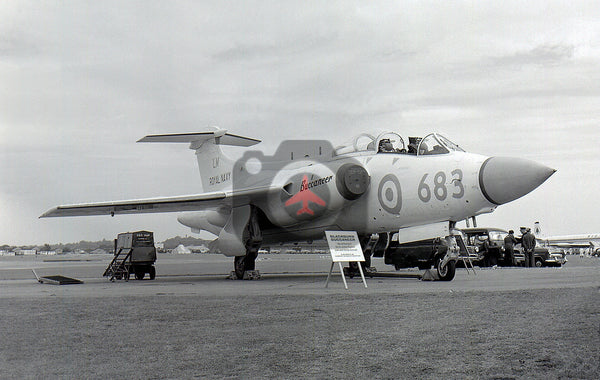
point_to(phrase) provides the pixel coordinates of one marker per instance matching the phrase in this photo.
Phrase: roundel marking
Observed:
(390, 194)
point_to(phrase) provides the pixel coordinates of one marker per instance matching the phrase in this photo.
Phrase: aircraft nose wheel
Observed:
(445, 272)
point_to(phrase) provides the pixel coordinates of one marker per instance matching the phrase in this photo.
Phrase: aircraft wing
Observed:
(156, 205)
(568, 244)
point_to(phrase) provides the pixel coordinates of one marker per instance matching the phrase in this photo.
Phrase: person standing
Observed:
(529, 247)
(485, 250)
(509, 248)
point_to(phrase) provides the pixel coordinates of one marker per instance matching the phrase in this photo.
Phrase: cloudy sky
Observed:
(82, 81)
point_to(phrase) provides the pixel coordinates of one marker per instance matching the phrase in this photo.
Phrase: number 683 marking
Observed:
(440, 191)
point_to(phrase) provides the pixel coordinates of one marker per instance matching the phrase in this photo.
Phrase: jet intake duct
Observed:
(352, 181)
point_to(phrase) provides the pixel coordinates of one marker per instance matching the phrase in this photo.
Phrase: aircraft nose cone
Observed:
(504, 179)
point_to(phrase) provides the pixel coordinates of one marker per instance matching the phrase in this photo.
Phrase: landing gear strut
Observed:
(245, 266)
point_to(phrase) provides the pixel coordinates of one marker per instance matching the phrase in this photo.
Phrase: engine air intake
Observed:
(352, 181)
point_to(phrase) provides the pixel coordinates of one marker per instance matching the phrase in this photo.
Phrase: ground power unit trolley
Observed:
(134, 254)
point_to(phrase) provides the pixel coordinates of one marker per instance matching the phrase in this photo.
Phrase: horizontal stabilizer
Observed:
(220, 136)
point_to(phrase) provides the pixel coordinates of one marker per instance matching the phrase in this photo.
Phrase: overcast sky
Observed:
(82, 81)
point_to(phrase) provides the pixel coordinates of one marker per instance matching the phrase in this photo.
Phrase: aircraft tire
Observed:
(447, 272)
(239, 266)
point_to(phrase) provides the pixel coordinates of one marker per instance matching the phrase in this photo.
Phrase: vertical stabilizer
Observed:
(537, 230)
(215, 168)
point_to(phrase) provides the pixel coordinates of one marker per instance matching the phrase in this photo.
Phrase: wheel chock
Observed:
(248, 275)
(430, 275)
(251, 275)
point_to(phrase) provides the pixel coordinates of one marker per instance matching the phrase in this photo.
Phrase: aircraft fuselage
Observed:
(404, 190)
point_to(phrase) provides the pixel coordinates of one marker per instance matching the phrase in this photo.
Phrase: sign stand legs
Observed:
(362, 275)
(329, 275)
(342, 272)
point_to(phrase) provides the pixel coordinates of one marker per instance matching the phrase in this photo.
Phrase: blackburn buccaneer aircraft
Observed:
(390, 192)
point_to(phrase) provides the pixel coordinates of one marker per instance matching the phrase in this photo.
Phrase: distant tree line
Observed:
(107, 245)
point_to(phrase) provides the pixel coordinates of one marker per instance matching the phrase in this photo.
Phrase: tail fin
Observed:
(537, 230)
(215, 168)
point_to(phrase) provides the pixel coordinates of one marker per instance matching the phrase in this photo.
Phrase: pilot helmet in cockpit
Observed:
(385, 145)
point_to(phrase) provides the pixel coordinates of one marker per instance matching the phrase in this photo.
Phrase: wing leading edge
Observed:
(158, 205)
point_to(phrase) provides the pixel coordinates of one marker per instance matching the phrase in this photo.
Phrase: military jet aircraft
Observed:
(376, 185)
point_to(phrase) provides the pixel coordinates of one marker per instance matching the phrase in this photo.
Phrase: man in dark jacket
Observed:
(528, 244)
(509, 248)
(485, 252)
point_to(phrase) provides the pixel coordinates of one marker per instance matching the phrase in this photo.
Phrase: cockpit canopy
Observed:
(391, 142)
(435, 143)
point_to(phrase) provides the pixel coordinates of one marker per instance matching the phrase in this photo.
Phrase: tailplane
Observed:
(215, 168)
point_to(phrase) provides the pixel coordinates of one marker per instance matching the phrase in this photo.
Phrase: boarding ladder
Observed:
(117, 269)
(465, 255)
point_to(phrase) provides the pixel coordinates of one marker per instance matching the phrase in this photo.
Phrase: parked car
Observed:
(496, 255)
(544, 257)
(475, 238)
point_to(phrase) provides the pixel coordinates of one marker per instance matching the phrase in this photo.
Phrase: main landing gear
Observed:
(244, 267)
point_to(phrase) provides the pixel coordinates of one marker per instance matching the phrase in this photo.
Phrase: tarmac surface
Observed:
(191, 322)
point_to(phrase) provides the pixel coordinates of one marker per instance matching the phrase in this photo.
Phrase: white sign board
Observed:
(344, 246)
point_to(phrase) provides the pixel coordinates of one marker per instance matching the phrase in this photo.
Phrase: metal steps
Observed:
(117, 268)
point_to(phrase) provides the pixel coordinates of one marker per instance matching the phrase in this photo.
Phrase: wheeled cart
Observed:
(134, 254)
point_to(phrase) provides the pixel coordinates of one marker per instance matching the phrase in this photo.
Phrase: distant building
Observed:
(25, 252)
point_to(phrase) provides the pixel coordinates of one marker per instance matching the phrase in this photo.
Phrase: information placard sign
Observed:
(344, 246)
